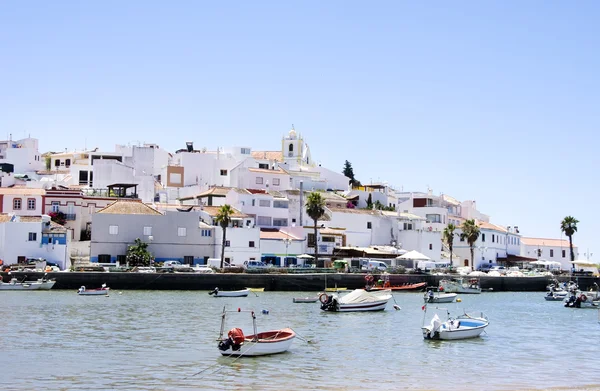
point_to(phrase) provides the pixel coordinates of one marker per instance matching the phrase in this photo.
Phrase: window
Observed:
(280, 204)
(251, 244)
(369, 225)
(551, 253)
(275, 181)
(245, 151)
(175, 177)
(280, 222)
(33, 236)
(430, 246)
(264, 166)
(293, 220)
(263, 221)
(227, 243)
(483, 237)
(408, 226)
(311, 240)
(181, 231)
(91, 208)
(17, 203)
(206, 232)
(291, 148)
(147, 231)
(68, 163)
(264, 203)
(113, 229)
(31, 204)
(223, 172)
(57, 163)
(55, 206)
(493, 238)
(462, 238)
(188, 259)
(564, 253)
(329, 239)
(104, 258)
(253, 202)
(259, 180)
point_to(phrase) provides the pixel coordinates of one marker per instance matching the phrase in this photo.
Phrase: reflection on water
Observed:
(146, 340)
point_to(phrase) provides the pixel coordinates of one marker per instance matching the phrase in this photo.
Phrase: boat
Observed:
(432, 297)
(103, 291)
(258, 344)
(462, 327)
(256, 289)
(305, 299)
(384, 284)
(556, 295)
(583, 299)
(460, 285)
(218, 293)
(357, 300)
(13, 284)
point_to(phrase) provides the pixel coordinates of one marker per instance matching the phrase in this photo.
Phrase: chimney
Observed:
(190, 146)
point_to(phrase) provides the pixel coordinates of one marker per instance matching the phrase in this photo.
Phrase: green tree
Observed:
(569, 226)
(48, 163)
(138, 254)
(224, 219)
(470, 233)
(448, 237)
(369, 202)
(349, 172)
(315, 208)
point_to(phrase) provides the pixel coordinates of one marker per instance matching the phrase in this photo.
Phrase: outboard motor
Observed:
(235, 339)
(327, 304)
(213, 292)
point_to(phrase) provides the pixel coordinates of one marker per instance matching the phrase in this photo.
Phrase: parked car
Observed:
(255, 264)
(486, 267)
(202, 269)
(174, 265)
(499, 269)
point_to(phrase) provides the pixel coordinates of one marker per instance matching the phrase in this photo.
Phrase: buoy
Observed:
(397, 307)
(459, 300)
(266, 312)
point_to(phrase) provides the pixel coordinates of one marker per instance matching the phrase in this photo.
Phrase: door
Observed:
(466, 262)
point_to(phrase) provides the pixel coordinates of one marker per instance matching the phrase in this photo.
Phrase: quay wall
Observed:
(271, 282)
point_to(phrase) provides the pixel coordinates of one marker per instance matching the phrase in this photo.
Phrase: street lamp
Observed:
(287, 242)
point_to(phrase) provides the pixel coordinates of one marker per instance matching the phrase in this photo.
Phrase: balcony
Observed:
(70, 216)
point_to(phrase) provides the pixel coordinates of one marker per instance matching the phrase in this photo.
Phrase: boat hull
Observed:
(441, 298)
(241, 293)
(94, 292)
(459, 287)
(373, 306)
(269, 342)
(305, 299)
(27, 286)
(471, 328)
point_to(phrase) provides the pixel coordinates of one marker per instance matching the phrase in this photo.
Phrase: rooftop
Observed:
(268, 155)
(545, 242)
(214, 210)
(24, 191)
(129, 207)
(275, 234)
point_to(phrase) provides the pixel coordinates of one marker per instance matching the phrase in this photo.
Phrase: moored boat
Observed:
(462, 327)
(305, 299)
(16, 285)
(357, 300)
(460, 285)
(432, 297)
(218, 293)
(258, 344)
(256, 289)
(103, 291)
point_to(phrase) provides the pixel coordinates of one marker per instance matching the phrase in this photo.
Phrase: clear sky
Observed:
(496, 101)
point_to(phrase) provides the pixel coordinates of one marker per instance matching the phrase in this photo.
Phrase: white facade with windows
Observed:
(22, 201)
(23, 154)
(556, 250)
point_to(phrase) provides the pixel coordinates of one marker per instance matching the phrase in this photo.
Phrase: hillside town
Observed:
(90, 206)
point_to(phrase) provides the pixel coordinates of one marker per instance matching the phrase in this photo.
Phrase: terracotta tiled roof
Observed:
(333, 231)
(264, 170)
(214, 210)
(38, 219)
(4, 218)
(129, 207)
(484, 225)
(268, 155)
(545, 242)
(276, 234)
(24, 191)
(217, 191)
(357, 211)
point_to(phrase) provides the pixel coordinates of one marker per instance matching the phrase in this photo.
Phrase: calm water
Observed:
(150, 340)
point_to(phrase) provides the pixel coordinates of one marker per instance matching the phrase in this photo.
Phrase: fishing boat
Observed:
(460, 285)
(15, 285)
(436, 297)
(357, 300)
(462, 327)
(103, 291)
(256, 289)
(258, 344)
(384, 284)
(305, 299)
(218, 293)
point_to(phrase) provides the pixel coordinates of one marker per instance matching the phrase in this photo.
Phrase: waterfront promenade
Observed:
(273, 281)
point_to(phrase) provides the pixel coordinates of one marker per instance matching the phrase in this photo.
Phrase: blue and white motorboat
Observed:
(462, 327)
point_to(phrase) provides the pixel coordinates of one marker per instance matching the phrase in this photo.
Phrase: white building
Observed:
(23, 154)
(282, 247)
(556, 250)
(33, 237)
(22, 201)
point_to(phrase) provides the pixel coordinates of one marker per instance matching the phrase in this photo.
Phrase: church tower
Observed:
(295, 151)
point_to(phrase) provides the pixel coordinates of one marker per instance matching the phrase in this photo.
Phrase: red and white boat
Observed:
(93, 292)
(357, 300)
(258, 344)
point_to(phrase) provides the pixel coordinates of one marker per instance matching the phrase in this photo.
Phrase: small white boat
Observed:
(460, 285)
(305, 299)
(218, 293)
(431, 297)
(357, 300)
(258, 344)
(461, 327)
(15, 285)
(583, 299)
(93, 292)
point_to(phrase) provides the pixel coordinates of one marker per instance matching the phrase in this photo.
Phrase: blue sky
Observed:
(495, 101)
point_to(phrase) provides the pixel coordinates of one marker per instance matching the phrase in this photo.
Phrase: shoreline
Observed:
(274, 282)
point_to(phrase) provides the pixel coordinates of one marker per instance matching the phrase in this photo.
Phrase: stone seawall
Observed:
(271, 281)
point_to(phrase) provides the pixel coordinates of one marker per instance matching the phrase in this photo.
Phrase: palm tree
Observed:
(448, 237)
(569, 226)
(470, 232)
(315, 208)
(223, 219)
